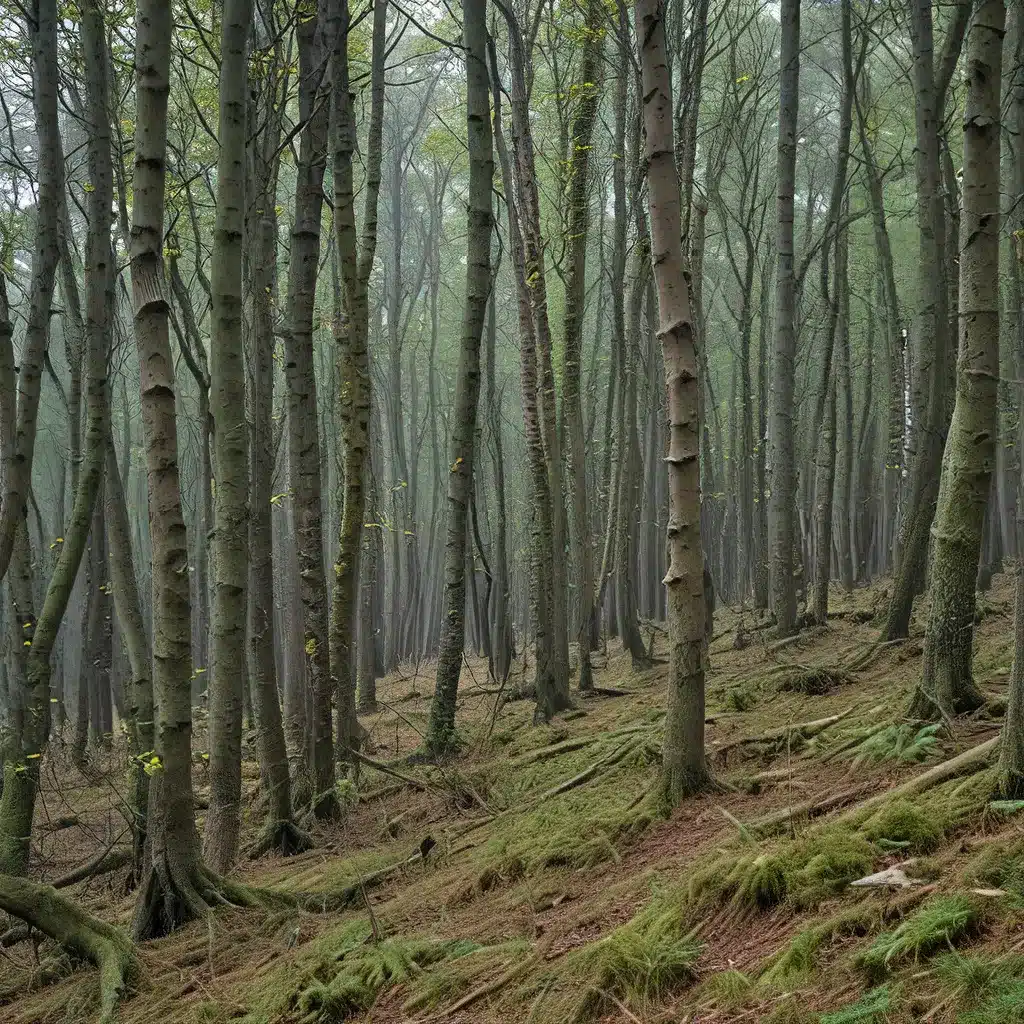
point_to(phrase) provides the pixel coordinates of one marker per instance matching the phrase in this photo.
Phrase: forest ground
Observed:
(555, 891)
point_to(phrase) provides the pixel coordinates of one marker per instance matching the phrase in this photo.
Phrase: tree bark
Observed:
(1011, 747)
(49, 198)
(684, 769)
(587, 97)
(931, 347)
(441, 735)
(231, 455)
(352, 335)
(947, 687)
(303, 434)
(176, 887)
(782, 528)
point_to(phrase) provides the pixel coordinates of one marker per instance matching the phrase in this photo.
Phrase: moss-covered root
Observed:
(175, 892)
(283, 837)
(79, 932)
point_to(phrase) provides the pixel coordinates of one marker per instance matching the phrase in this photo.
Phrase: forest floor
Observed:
(554, 890)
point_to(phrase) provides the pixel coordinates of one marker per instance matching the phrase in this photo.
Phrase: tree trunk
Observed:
(227, 403)
(947, 687)
(303, 434)
(176, 887)
(931, 347)
(1011, 748)
(441, 735)
(587, 96)
(684, 769)
(782, 527)
(18, 800)
(128, 607)
(551, 682)
(352, 335)
(49, 197)
(279, 832)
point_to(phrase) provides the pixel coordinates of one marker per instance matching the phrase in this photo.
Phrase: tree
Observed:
(175, 886)
(230, 441)
(303, 432)
(684, 770)
(351, 333)
(479, 222)
(947, 687)
(1011, 748)
(930, 386)
(783, 472)
(587, 98)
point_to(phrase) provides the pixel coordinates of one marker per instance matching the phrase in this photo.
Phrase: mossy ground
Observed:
(554, 891)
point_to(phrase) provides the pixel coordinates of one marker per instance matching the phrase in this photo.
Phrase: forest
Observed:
(512, 511)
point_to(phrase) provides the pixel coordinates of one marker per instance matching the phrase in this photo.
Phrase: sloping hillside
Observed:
(535, 878)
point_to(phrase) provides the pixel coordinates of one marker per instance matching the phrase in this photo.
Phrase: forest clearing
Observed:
(542, 905)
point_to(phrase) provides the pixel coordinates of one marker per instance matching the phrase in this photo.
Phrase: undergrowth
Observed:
(871, 1008)
(638, 964)
(344, 972)
(940, 923)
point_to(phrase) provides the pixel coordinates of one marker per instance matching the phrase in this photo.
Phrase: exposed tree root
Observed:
(78, 932)
(175, 892)
(284, 837)
(617, 755)
(553, 750)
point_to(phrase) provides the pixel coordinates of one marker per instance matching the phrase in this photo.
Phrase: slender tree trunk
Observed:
(931, 347)
(479, 223)
(551, 683)
(499, 616)
(1011, 750)
(947, 687)
(684, 769)
(782, 527)
(128, 606)
(227, 401)
(587, 95)
(553, 695)
(279, 832)
(18, 801)
(352, 335)
(176, 886)
(49, 193)
(303, 435)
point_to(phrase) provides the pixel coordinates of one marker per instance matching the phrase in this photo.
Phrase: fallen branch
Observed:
(804, 730)
(355, 892)
(489, 988)
(388, 770)
(813, 808)
(102, 864)
(970, 761)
